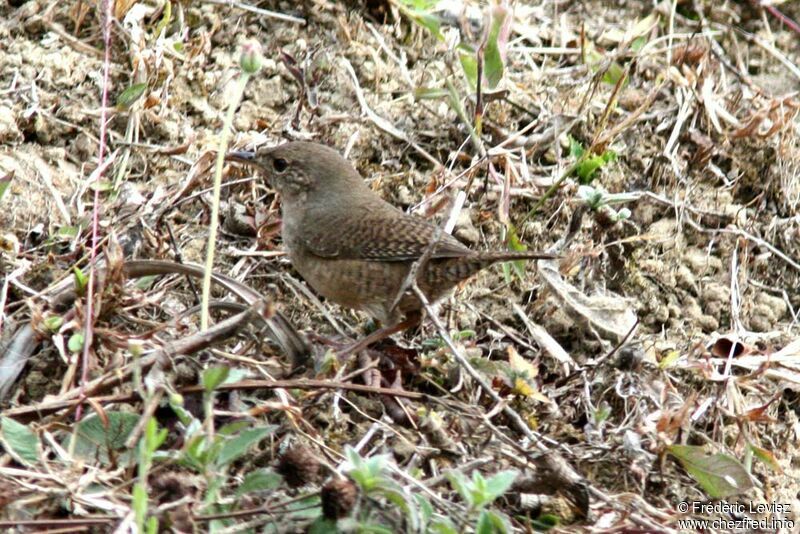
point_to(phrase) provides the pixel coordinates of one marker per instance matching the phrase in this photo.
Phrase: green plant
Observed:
(479, 492)
(152, 439)
(482, 67)
(597, 199)
(211, 452)
(587, 164)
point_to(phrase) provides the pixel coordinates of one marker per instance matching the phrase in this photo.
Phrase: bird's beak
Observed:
(241, 156)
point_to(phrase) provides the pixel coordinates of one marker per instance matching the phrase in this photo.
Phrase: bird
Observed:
(356, 249)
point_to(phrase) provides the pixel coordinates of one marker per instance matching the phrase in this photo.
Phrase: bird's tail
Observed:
(514, 255)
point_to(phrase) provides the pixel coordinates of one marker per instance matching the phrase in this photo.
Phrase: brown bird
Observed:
(356, 249)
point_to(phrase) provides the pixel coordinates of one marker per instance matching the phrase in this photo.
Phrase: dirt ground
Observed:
(670, 317)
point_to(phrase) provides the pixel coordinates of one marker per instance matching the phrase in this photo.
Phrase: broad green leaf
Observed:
(235, 448)
(496, 40)
(130, 95)
(233, 428)
(425, 508)
(323, 526)
(75, 343)
(499, 483)
(469, 64)
(498, 522)
(399, 500)
(461, 484)
(81, 280)
(261, 480)
(53, 322)
(638, 44)
(68, 231)
(420, 13)
(307, 508)
(214, 376)
(443, 525)
(576, 149)
(19, 441)
(720, 475)
(546, 522)
(614, 74)
(93, 441)
(484, 525)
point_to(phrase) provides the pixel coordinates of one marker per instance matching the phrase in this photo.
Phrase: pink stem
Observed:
(775, 12)
(89, 330)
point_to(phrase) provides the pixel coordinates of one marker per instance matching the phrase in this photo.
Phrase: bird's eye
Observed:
(280, 164)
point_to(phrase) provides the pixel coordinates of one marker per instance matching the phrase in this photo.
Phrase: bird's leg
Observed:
(412, 319)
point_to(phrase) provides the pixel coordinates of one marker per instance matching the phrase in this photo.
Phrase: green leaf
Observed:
(53, 322)
(496, 522)
(546, 522)
(19, 441)
(399, 500)
(462, 485)
(231, 429)
(165, 19)
(638, 43)
(5, 183)
(429, 93)
(484, 524)
(496, 40)
(307, 508)
(93, 441)
(75, 343)
(145, 282)
(214, 376)
(81, 280)
(513, 243)
(425, 508)
(323, 526)
(139, 504)
(614, 74)
(499, 483)
(130, 95)
(443, 525)
(153, 437)
(235, 448)
(469, 64)
(419, 11)
(720, 475)
(576, 149)
(261, 480)
(587, 167)
(767, 458)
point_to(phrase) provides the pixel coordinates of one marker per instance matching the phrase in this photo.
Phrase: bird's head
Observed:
(301, 171)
